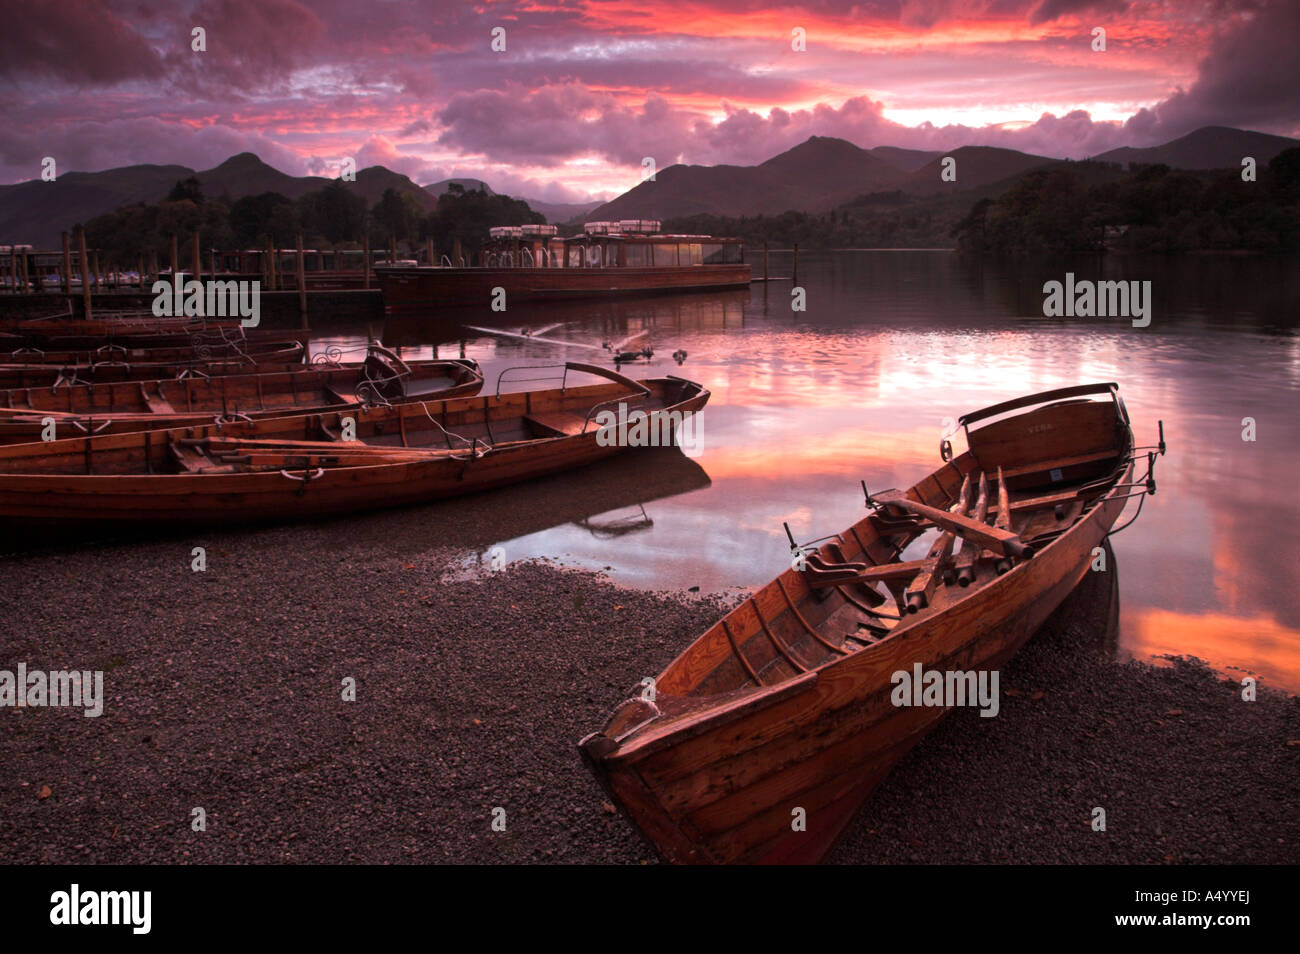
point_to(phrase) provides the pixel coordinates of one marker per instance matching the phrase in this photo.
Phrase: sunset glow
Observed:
(582, 92)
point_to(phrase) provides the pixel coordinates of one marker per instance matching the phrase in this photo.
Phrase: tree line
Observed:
(1152, 208)
(334, 217)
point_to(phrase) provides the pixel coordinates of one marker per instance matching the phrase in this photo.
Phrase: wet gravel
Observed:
(224, 691)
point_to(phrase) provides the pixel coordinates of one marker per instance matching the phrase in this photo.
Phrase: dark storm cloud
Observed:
(75, 41)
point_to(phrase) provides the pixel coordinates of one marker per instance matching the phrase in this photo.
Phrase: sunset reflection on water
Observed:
(893, 345)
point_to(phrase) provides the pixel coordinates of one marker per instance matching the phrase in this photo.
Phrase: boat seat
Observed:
(193, 460)
(157, 403)
(341, 397)
(1059, 464)
(559, 423)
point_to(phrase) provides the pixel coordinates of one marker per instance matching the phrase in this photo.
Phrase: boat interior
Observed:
(461, 428)
(1027, 477)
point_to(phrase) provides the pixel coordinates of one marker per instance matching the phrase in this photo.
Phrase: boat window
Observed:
(637, 254)
(665, 254)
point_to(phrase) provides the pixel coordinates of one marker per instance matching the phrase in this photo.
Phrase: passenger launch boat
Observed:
(306, 465)
(530, 263)
(763, 738)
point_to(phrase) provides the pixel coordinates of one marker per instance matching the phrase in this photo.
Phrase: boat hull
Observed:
(827, 747)
(772, 717)
(59, 498)
(412, 291)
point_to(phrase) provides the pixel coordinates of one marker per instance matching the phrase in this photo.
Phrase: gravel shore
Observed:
(224, 691)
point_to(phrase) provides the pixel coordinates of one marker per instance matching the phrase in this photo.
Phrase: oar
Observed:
(969, 549)
(1001, 541)
(921, 589)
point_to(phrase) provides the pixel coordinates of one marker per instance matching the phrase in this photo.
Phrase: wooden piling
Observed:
(795, 277)
(139, 271)
(85, 273)
(302, 284)
(67, 265)
(429, 248)
(99, 275)
(392, 250)
(270, 265)
(196, 256)
(765, 263)
(176, 257)
(366, 255)
(457, 258)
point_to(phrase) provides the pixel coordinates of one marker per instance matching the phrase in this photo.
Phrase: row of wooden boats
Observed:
(764, 737)
(245, 431)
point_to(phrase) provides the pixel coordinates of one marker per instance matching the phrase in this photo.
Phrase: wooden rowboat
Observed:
(786, 703)
(121, 406)
(255, 356)
(190, 351)
(283, 468)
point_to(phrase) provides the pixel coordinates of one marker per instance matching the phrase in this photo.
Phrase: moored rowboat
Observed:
(784, 709)
(301, 466)
(121, 406)
(254, 356)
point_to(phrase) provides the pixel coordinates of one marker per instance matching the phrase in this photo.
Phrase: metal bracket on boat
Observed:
(27, 351)
(641, 701)
(474, 452)
(110, 347)
(231, 419)
(193, 373)
(331, 356)
(92, 430)
(307, 477)
(111, 364)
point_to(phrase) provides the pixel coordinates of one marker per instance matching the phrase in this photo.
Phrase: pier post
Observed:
(270, 264)
(99, 275)
(795, 278)
(392, 250)
(455, 253)
(176, 256)
(85, 273)
(764, 263)
(302, 284)
(67, 265)
(366, 254)
(428, 245)
(139, 271)
(196, 256)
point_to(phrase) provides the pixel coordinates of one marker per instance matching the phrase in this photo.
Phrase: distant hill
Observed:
(469, 185)
(37, 211)
(909, 160)
(555, 212)
(1212, 147)
(814, 176)
(975, 166)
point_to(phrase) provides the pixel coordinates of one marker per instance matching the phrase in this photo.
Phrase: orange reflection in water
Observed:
(1268, 649)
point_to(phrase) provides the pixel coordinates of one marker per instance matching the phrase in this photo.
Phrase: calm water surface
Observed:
(805, 405)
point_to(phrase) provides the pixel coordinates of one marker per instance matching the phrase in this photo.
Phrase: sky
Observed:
(585, 90)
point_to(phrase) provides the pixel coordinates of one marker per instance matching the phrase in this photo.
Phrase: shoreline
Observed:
(223, 691)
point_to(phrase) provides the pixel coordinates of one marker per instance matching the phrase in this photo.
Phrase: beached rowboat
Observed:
(120, 406)
(300, 466)
(785, 704)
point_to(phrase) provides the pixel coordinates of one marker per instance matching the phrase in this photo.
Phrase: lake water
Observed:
(857, 387)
